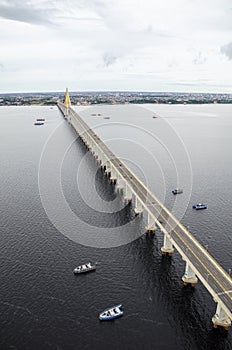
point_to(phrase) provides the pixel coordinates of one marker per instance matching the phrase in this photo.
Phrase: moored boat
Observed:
(111, 313)
(177, 191)
(40, 119)
(199, 206)
(85, 268)
(39, 123)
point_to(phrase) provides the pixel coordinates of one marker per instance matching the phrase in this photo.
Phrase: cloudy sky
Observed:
(148, 45)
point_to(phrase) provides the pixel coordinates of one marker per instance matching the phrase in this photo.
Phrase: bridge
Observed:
(199, 264)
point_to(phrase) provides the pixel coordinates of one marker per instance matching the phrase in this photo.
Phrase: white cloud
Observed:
(26, 11)
(116, 44)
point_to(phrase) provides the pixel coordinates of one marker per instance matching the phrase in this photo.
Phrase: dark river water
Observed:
(59, 210)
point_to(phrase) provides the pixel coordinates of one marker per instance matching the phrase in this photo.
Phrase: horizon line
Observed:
(116, 91)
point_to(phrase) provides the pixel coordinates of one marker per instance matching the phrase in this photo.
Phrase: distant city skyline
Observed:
(116, 45)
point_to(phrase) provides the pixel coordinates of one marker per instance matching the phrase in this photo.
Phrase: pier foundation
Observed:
(151, 227)
(94, 150)
(100, 159)
(120, 184)
(103, 162)
(107, 168)
(113, 176)
(128, 194)
(138, 207)
(189, 276)
(167, 247)
(221, 319)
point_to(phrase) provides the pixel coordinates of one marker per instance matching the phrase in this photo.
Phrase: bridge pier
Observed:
(98, 153)
(221, 319)
(151, 227)
(113, 177)
(120, 184)
(138, 207)
(128, 193)
(84, 139)
(88, 144)
(103, 162)
(167, 247)
(92, 147)
(107, 167)
(100, 158)
(189, 276)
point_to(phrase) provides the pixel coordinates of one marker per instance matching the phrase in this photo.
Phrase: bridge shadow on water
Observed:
(93, 212)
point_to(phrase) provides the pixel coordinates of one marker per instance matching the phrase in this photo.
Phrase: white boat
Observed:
(85, 268)
(199, 206)
(111, 313)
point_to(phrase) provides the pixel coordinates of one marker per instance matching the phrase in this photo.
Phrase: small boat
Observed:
(111, 313)
(39, 123)
(199, 206)
(85, 268)
(40, 119)
(177, 191)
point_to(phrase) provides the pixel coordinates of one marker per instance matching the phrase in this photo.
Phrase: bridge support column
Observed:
(138, 207)
(84, 139)
(221, 319)
(167, 247)
(120, 184)
(88, 144)
(96, 152)
(107, 167)
(151, 227)
(189, 276)
(113, 177)
(128, 193)
(99, 156)
(90, 147)
(103, 161)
